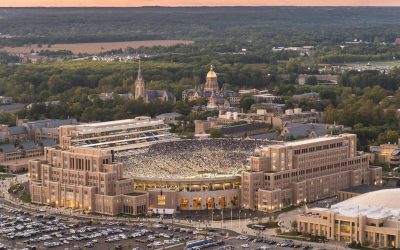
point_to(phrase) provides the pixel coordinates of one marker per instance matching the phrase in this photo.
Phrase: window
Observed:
(197, 202)
(161, 200)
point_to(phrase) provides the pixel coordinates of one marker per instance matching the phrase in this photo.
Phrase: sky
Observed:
(135, 3)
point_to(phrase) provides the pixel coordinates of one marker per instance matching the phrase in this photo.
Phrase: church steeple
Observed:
(140, 91)
(139, 75)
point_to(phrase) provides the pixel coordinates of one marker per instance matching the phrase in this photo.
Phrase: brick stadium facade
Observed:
(307, 170)
(86, 179)
(279, 175)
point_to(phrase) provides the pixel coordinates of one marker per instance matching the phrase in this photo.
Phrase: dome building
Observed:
(216, 98)
(211, 81)
(371, 219)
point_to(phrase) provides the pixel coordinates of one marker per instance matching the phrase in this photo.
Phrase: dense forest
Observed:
(238, 41)
(278, 25)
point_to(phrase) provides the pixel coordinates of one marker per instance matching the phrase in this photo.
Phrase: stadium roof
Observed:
(117, 125)
(312, 140)
(364, 189)
(375, 205)
(388, 198)
(173, 114)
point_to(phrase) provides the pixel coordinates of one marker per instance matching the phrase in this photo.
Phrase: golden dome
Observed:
(211, 73)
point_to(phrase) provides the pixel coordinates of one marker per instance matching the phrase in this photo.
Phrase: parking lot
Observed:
(23, 229)
(26, 230)
(261, 243)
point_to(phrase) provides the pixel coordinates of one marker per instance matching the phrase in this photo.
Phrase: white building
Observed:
(118, 135)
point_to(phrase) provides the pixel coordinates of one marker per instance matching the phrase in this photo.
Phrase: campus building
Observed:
(116, 135)
(291, 173)
(86, 179)
(150, 95)
(292, 118)
(372, 219)
(47, 129)
(26, 140)
(386, 154)
(351, 192)
(216, 98)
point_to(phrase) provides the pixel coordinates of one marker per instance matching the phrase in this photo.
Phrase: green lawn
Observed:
(292, 236)
(289, 237)
(5, 175)
(25, 197)
(270, 224)
(377, 63)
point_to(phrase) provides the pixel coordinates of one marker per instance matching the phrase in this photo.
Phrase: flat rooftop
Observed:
(364, 189)
(135, 194)
(119, 125)
(313, 140)
(304, 141)
(381, 204)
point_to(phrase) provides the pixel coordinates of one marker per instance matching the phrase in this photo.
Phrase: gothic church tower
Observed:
(140, 91)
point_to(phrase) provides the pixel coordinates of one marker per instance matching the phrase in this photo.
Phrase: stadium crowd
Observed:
(189, 158)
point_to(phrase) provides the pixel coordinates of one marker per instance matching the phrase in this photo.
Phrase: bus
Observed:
(199, 243)
(259, 227)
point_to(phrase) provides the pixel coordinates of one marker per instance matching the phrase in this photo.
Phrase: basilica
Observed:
(150, 95)
(216, 98)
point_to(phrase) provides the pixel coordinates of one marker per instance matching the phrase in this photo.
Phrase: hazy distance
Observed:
(134, 3)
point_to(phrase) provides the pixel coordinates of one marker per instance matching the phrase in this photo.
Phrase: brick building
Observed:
(86, 179)
(306, 170)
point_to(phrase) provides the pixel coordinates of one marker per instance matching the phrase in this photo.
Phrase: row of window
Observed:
(317, 169)
(318, 148)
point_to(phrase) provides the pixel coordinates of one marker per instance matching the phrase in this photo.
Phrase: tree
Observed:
(57, 84)
(312, 80)
(293, 226)
(216, 133)
(190, 136)
(388, 136)
(182, 108)
(7, 118)
(330, 114)
(245, 102)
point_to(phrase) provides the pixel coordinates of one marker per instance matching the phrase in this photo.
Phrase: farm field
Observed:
(93, 48)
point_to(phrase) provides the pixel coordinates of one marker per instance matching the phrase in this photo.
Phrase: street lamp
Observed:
(239, 219)
(173, 224)
(245, 217)
(231, 216)
(222, 217)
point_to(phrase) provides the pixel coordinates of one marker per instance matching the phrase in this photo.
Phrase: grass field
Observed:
(93, 48)
(394, 63)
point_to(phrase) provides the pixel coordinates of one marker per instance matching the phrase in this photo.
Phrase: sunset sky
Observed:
(133, 3)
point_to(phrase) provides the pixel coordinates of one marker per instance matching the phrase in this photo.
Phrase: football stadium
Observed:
(190, 174)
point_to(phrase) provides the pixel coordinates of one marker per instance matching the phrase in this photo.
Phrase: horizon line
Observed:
(202, 6)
